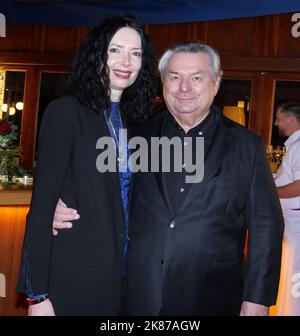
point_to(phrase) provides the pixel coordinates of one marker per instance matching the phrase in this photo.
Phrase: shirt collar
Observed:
(294, 137)
(202, 126)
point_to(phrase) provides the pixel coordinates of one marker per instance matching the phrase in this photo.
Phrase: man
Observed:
(187, 240)
(287, 180)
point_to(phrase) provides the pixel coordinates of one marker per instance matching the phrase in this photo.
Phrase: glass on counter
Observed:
(275, 155)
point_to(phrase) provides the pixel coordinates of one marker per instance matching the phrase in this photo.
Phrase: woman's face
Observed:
(124, 60)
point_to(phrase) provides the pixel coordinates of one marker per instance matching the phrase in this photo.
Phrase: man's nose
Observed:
(185, 85)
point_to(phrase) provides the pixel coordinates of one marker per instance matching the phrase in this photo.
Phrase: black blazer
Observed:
(189, 261)
(81, 269)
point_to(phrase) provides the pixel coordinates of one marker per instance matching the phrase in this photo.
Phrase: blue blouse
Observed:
(125, 175)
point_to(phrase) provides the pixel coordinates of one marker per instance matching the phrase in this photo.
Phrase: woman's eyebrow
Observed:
(122, 46)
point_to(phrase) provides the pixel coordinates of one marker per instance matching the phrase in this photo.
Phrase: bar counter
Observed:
(14, 206)
(15, 194)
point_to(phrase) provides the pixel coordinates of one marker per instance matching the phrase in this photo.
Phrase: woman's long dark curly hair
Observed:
(89, 77)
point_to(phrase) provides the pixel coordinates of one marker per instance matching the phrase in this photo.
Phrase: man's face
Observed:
(284, 123)
(189, 88)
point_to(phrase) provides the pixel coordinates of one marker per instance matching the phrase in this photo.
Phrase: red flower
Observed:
(5, 127)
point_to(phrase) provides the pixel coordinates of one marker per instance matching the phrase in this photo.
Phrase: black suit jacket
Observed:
(189, 261)
(81, 269)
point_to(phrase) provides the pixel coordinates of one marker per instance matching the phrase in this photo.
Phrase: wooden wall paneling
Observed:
(263, 64)
(12, 227)
(18, 38)
(35, 58)
(262, 27)
(38, 38)
(243, 37)
(28, 129)
(164, 36)
(237, 73)
(55, 68)
(191, 31)
(266, 106)
(82, 32)
(61, 38)
(287, 76)
(197, 31)
(271, 42)
(287, 44)
(13, 67)
(254, 120)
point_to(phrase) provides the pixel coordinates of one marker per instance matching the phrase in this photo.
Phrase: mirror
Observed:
(11, 98)
(235, 94)
(53, 85)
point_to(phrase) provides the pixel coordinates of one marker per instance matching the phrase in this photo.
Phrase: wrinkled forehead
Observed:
(189, 63)
(188, 60)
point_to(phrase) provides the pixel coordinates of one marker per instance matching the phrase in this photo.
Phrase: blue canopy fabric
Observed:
(148, 11)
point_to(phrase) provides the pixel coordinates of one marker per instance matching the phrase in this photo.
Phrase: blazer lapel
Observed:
(212, 162)
(159, 176)
(101, 130)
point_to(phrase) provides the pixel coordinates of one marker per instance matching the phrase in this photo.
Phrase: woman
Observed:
(110, 85)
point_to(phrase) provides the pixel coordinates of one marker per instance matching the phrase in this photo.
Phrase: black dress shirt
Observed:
(175, 181)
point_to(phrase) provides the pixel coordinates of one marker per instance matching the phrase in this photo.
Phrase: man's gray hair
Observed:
(191, 47)
(291, 108)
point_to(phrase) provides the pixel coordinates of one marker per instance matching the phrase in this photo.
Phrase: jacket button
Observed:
(172, 224)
